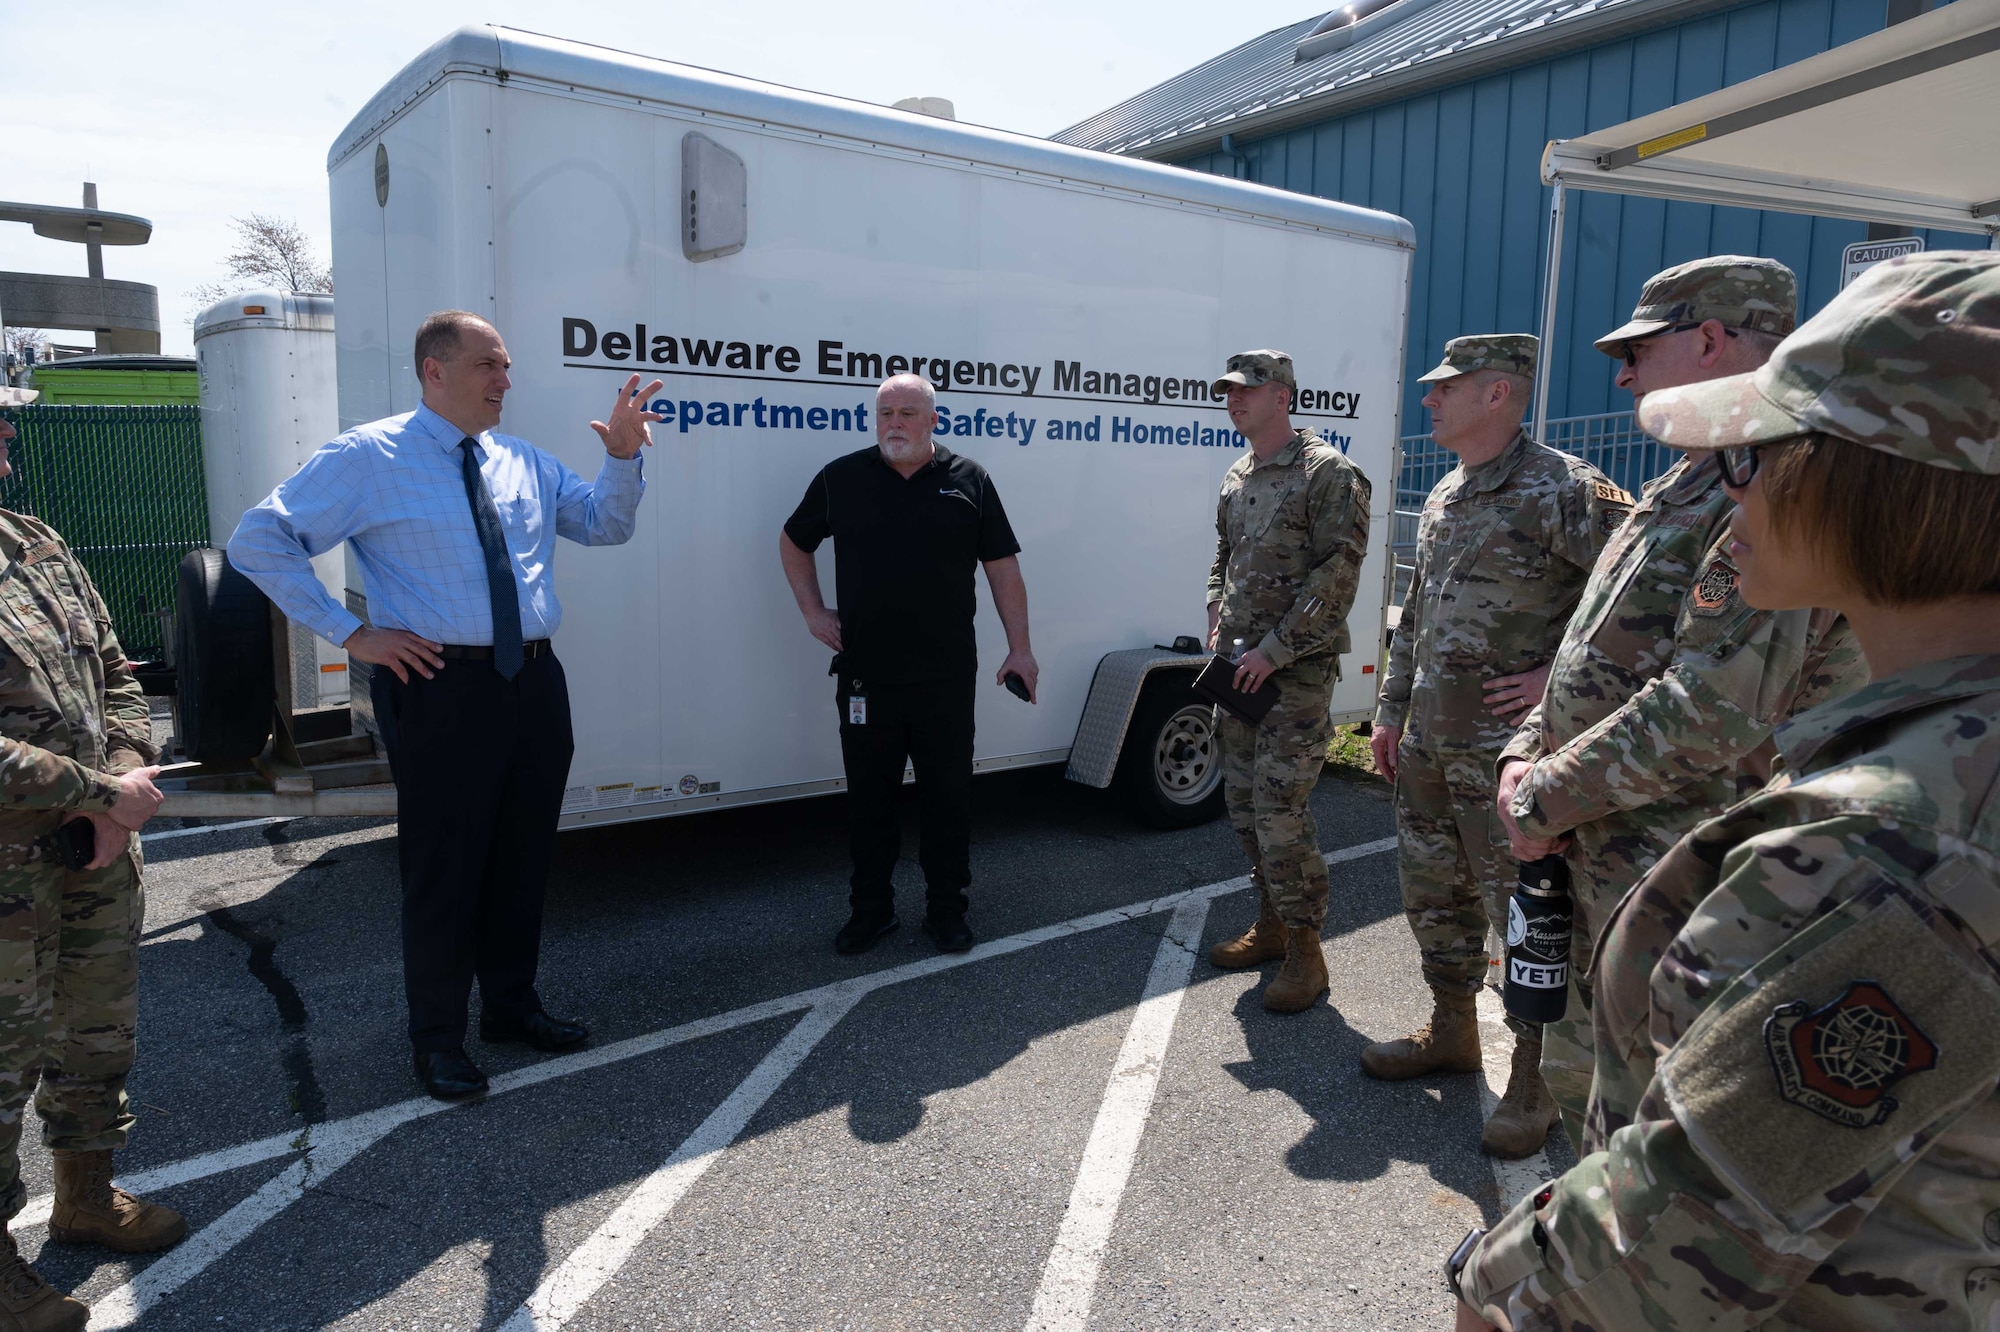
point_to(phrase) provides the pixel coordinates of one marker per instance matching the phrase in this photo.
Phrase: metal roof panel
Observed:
(1261, 85)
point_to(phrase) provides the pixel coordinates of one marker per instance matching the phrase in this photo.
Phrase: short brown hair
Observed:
(1902, 532)
(437, 336)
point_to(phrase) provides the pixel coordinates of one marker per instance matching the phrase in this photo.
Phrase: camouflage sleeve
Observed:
(1392, 705)
(1527, 741)
(1725, 688)
(1742, 1175)
(1337, 508)
(128, 723)
(1218, 572)
(34, 778)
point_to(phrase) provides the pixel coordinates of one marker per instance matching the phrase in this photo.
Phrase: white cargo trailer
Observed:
(268, 400)
(771, 254)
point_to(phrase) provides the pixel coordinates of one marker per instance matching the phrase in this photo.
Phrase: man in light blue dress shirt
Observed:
(454, 527)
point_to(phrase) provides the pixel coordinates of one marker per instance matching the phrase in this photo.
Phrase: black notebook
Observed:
(1214, 685)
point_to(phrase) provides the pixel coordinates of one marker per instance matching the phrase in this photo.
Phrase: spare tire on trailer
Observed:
(222, 660)
(1170, 766)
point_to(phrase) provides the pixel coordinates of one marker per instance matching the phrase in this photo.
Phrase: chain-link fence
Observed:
(124, 487)
(1612, 442)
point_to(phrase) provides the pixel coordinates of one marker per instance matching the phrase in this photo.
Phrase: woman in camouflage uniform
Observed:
(1793, 1121)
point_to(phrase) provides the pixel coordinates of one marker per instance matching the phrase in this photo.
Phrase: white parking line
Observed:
(124, 1306)
(328, 1147)
(566, 1290)
(1062, 1304)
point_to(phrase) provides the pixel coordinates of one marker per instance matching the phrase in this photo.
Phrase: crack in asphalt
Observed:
(306, 1096)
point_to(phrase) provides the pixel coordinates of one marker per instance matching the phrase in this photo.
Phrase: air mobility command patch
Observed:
(1872, 1026)
(1715, 589)
(1839, 1061)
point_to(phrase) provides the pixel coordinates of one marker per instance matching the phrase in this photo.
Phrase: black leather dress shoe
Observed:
(951, 934)
(450, 1075)
(537, 1030)
(863, 931)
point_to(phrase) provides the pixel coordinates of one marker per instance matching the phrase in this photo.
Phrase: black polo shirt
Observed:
(903, 555)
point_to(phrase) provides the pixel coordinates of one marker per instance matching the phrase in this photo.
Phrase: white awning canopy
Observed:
(1902, 126)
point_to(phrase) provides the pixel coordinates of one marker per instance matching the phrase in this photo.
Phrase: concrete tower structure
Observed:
(124, 316)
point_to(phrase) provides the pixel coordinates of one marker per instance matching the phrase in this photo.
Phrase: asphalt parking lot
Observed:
(1080, 1124)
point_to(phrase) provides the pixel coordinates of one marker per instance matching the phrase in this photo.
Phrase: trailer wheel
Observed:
(1170, 769)
(222, 660)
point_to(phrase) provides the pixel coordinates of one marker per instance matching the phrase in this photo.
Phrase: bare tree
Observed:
(20, 341)
(270, 252)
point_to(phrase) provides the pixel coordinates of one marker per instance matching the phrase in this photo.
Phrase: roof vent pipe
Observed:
(940, 107)
(1230, 150)
(1360, 18)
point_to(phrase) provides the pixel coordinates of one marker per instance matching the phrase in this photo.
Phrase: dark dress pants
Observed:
(480, 763)
(930, 725)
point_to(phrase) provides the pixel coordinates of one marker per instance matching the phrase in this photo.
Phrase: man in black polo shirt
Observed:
(909, 520)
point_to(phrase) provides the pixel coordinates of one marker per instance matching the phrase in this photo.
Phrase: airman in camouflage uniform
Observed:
(1292, 530)
(1505, 543)
(1666, 684)
(1794, 1121)
(72, 724)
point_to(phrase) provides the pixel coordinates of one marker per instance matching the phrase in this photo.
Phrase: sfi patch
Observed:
(1715, 589)
(1611, 493)
(1840, 1061)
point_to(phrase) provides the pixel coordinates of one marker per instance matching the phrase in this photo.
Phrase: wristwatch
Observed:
(1454, 1266)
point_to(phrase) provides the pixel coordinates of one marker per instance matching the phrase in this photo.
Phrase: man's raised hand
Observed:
(627, 433)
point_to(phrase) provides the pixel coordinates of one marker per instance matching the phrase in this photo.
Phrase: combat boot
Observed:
(1303, 977)
(89, 1210)
(1261, 943)
(30, 1304)
(1448, 1043)
(1525, 1114)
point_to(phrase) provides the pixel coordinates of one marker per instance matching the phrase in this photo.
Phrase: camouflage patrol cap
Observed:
(1512, 352)
(1252, 368)
(17, 397)
(1906, 361)
(1740, 290)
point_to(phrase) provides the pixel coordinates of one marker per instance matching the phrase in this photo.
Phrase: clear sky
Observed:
(190, 114)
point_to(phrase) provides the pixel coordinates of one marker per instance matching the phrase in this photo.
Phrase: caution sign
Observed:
(1861, 256)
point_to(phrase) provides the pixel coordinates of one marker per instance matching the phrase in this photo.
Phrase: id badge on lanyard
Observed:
(857, 706)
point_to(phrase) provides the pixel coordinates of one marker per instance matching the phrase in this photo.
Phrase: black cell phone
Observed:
(1017, 687)
(76, 843)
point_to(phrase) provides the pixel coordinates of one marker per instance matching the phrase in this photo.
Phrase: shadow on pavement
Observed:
(291, 1008)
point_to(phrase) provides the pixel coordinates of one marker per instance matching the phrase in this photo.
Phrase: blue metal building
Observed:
(1439, 110)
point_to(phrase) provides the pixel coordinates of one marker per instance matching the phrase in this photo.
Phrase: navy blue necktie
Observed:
(507, 655)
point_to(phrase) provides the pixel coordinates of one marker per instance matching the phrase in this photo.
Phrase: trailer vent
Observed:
(715, 199)
(940, 107)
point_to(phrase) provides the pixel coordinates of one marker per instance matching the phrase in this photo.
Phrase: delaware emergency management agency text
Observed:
(835, 363)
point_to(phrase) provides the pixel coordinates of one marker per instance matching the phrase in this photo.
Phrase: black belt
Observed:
(531, 649)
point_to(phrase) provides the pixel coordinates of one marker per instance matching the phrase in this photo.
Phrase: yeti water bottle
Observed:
(1538, 928)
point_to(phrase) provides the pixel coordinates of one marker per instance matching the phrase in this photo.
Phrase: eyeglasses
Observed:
(1632, 357)
(1738, 463)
